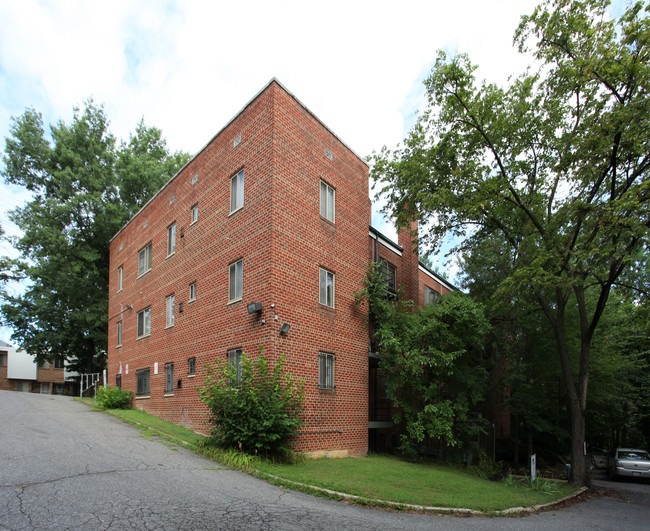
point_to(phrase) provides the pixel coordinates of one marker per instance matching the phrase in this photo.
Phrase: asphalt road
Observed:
(65, 467)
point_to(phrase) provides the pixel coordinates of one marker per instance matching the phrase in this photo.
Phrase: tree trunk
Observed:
(576, 399)
(516, 439)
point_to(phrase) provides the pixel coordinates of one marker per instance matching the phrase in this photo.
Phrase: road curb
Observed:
(423, 508)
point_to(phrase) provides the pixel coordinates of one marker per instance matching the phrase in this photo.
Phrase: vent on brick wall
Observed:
(144, 225)
(121, 246)
(328, 154)
(171, 200)
(195, 178)
(236, 141)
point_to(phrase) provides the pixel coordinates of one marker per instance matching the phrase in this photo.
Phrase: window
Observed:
(142, 377)
(119, 333)
(236, 280)
(193, 291)
(170, 310)
(326, 288)
(58, 363)
(144, 260)
(326, 370)
(120, 278)
(191, 366)
(118, 381)
(388, 273)
(237, 191)
(144, 322)
(194, 213)
(430, 296)
(3, 358)
(234, 360)
(171, 239)
(169, 378)
(327, 201)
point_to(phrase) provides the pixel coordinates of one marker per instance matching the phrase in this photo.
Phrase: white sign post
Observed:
(533, 467)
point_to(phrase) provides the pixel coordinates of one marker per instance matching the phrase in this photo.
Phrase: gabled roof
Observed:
(4, 344)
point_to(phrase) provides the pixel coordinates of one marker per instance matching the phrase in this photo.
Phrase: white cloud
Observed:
(189, 66)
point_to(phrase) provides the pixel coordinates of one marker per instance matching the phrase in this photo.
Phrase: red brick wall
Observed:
(5, 385)
(282, 240)
(50, 375)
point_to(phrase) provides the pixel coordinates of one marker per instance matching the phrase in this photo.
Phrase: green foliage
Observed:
(431, 359)
(487, 467)
(258, 413)
(83, 191)
(114, 398)
(556, 163)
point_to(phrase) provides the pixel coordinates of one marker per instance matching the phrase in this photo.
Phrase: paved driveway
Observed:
(65, 467)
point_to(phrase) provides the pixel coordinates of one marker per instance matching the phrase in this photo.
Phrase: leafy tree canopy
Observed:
(84, 189)
(556, 162)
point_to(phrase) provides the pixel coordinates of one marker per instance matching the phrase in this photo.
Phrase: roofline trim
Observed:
(437, 278)
(395, 247)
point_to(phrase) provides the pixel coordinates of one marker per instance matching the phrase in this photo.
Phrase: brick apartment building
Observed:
(261, 240)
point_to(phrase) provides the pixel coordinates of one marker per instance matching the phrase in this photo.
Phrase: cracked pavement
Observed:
(63, 467)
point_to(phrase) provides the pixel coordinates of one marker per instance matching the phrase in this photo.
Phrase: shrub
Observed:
(257, 413)
(114, 398)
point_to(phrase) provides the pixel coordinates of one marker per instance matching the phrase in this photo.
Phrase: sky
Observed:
(187, 67)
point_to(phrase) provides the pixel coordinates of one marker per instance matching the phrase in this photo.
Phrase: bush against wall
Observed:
(257, 411)
(113, 398)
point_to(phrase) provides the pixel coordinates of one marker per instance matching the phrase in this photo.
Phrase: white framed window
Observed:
(192, 291)
(236, 280)
(169, 378)
(327, 201)
(144, 322)
(237, 191)
(169, 320)
(171, 239)
(194, 213)
(430, 296)
(144, 259)
(119, 333)
(234, 360)
(120, 278)
(326, 282)
(142, 377)
(325, 370)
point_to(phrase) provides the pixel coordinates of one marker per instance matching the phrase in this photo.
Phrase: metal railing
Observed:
(90, 381)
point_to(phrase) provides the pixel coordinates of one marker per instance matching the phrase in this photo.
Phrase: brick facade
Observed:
(284, 244)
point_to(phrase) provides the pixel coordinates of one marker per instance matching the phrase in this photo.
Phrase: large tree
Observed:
(556, 162)
(84, 188)
(431, 359)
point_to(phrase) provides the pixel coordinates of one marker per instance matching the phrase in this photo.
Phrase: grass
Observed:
(427, 484)
(377, 477)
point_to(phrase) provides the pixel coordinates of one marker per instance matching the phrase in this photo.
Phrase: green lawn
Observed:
(376, 477)
(392, 479)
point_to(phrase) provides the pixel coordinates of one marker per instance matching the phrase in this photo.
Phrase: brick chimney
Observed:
(408, 274)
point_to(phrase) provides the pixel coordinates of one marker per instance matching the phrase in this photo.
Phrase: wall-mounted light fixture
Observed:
(129, 307)
(255, 307)
(284, 329)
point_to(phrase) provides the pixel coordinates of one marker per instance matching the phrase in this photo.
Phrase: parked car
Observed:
(629, 462)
